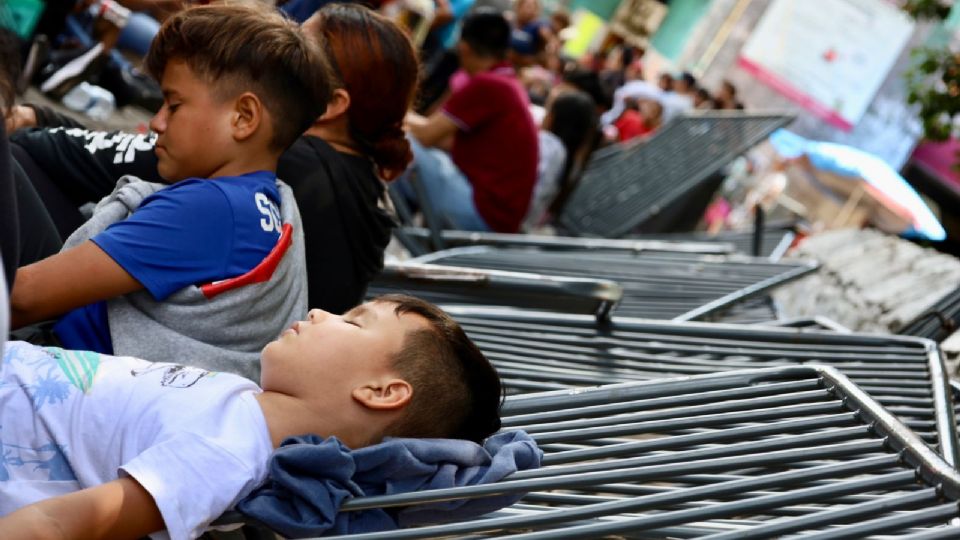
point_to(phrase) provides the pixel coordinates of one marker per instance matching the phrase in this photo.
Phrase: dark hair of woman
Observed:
(574, 121)
(378, 68)
(9, 68)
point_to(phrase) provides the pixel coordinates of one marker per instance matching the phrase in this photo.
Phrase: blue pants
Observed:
(449, 190)
(135, 36)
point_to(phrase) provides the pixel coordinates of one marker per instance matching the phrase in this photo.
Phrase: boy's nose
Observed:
(317, 315)
(157, 125)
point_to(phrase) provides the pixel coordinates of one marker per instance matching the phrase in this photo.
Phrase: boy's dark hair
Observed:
(238, 48)
(456, 392)
(487, 32)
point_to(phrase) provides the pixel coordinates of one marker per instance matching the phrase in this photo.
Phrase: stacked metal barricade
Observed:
(676, 429)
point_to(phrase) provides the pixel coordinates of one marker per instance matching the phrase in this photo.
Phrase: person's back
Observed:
(486, 182)
(496, 145)
(497, 150)
(171, 268)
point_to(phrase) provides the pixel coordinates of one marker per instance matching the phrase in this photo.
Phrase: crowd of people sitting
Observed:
(259, 191)
(95, 41)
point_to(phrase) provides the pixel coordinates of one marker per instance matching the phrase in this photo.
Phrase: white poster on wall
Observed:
(831, 57)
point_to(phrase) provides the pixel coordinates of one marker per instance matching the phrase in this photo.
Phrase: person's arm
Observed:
(43, 116)
(431, 131)
(442, 13)
(67, 280)
(115, 510)
(158, 8)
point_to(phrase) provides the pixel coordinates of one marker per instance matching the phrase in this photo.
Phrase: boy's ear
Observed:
(391, 394)
(248, 115)
(337, 106)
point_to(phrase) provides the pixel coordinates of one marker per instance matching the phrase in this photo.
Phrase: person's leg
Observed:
(138, 33)
(65, 213)
(448, 190)
(9, 215)
(39, 238)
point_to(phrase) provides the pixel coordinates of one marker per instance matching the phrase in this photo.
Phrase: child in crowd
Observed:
(210, 267)
(97, 446)
(640, 118)
(566, 137)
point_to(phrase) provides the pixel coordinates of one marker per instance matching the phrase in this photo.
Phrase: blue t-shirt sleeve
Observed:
(177, 237)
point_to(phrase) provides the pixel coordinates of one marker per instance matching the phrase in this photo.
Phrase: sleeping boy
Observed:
(97, 446)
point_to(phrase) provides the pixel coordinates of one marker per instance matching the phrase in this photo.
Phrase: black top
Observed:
(9, 222)
(345, 231)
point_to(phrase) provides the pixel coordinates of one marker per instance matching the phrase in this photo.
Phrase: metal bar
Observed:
(666, 519)
(933, 467)
(713, 436)
(747, 447)
(839, 516)
(758, 215)
(701, 421)
(707, 396)
(462, 238)
(638, 474)
(943, 406)
(555, 516)
(776, 403)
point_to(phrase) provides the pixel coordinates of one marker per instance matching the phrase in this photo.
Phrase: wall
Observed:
(675, 31)
(889, 128)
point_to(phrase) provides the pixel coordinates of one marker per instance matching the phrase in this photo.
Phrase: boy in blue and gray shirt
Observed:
(210, 266)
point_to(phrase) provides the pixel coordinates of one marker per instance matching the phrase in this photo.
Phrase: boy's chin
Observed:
(267, 348)
(169, 173)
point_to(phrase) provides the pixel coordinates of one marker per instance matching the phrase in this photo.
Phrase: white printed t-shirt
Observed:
(196, 440)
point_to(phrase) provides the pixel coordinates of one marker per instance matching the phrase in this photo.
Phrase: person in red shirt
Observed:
(486, 181)
(639, 119)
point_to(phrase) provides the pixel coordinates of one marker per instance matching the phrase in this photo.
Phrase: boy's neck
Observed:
(289, 416)
(246, 164)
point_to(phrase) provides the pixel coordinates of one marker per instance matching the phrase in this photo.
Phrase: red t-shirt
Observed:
(631, 125)
(496, 145)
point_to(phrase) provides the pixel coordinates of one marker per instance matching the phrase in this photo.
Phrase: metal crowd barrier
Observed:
(813, 323)
(774, 241)
(543, 351)
(467, 286)
(451, 238)
(757, 310)
(785, 451)
(938, 322)
(656, 285)
(655, 185)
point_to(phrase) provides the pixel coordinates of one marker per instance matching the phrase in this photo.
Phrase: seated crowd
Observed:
(141, 265)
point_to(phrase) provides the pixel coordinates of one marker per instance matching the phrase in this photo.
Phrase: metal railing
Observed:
(541, 351)
(466, 286)
(452, 238)
(938, 322)
(649, 186)
(748, 454)
(656, 285)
